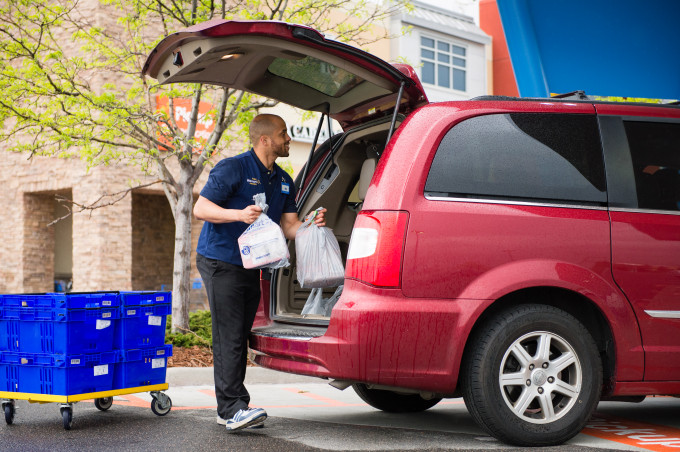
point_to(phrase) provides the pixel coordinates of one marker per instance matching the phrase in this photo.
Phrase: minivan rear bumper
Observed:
(379, 336)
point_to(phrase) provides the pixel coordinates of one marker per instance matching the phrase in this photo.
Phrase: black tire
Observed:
(525, 394)
(67, 418)
(161, 407)
(103, 403)
(9, 413)
(393, 402)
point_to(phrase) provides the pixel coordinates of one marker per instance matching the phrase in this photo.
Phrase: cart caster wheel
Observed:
(103, 403)
(161, 404)
(9, 412)
(67, 417)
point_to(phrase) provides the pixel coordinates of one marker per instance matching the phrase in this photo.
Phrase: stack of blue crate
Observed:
(79, 343)
(59, 344)
(140, 339)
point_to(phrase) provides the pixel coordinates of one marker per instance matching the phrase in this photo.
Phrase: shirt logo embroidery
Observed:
(253, 181)
(285, 188)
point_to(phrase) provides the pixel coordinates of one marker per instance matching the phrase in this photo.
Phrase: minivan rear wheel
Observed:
(532, 376)
(393, 402)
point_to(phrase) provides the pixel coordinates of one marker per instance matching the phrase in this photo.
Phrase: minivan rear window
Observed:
(320, 75)
(655, 150)
(525, 156)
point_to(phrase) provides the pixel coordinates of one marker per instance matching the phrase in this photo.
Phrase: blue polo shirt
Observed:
(232, 184)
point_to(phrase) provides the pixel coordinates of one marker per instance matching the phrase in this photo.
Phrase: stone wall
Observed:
(127, 245)
(153, 239)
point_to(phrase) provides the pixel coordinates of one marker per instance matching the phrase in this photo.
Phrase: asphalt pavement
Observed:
(306, 414)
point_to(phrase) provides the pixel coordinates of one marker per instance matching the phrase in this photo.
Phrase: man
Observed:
(226, 206)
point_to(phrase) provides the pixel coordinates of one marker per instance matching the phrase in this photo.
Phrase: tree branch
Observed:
(118, 196)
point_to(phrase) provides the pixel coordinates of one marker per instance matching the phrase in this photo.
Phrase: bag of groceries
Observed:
(317, 305)
(319, 263)
(263, 245)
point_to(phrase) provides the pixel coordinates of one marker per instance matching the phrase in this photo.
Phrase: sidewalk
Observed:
(203, 376)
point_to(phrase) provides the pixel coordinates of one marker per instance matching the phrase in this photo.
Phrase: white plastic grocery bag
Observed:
(263, 245)
(319, 263)
(318, 305)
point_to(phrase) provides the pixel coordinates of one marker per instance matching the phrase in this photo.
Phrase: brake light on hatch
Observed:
(376, 246)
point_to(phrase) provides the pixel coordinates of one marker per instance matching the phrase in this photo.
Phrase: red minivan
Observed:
(521, 253)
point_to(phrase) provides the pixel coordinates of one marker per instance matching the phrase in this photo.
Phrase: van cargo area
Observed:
(337, 189)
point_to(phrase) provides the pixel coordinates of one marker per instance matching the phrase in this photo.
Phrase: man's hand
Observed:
(250, 214)
(320, 219)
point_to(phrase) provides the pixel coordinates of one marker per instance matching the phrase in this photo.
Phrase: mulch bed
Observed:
(193, 357)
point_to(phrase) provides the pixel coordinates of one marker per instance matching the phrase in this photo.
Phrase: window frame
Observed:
(619, 162)
(437, 63)
(516, 199)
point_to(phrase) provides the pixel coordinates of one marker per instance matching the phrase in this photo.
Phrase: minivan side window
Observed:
(521, 156)
(655, 150)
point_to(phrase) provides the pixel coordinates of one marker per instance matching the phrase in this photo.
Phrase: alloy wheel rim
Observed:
(540, 377)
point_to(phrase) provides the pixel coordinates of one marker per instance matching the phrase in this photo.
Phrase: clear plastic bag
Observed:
(317, 305)
(263, 244)
(319, 263)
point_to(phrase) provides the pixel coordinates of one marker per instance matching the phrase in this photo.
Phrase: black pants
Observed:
(233, 294)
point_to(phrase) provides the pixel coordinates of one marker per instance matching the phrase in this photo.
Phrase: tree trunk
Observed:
(181, 281)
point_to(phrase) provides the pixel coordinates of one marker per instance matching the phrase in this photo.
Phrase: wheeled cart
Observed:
(160, 403)
(65, 348)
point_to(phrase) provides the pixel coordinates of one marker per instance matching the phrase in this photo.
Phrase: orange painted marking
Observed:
(632, 433)
(131, 400)
(208, 392)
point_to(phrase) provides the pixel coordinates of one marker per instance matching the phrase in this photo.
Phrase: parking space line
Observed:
(632, 433)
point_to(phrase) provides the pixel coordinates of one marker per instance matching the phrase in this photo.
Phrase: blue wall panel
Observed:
(625, 48)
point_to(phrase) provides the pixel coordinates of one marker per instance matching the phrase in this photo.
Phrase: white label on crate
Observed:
(160, 352)
(101, 370)
(106, 315)
(106, 303)
(75, 361)
(159, 298)
(157, 363)
(155, 320)
(101, 324)
(131, 312)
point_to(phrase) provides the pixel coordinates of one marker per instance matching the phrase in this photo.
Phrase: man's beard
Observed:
(281, 151)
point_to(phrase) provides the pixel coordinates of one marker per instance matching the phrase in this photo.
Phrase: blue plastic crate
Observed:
(141, 326)
(144, 298)
(141, 367)
(57, 374)
(57, 330)
(73, 300)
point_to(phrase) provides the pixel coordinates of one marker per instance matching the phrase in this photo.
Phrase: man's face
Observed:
(279, 140)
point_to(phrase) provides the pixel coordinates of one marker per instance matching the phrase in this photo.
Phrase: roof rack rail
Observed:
(577, 95)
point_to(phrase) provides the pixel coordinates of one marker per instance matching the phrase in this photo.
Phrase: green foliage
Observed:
(286, 166)
(200, 331)
(630, 99)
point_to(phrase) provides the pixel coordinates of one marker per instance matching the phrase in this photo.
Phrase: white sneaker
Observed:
(246, 418)
(221, 421)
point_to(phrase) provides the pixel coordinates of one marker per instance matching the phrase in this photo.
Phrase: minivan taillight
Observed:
(376, 246)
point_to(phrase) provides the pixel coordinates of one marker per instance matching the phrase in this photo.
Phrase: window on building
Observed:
(521, 156)
(443, 63)
(655, 150)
